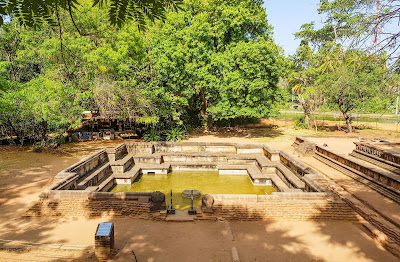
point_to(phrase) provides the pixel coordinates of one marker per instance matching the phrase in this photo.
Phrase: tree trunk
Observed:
(346, 117)
(43, 129)
(348, 122)
(307, 112)
(307, 119)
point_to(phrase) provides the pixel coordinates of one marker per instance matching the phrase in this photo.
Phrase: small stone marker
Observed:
(104, 240)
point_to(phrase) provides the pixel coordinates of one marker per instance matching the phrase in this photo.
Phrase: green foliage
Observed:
(357, 78)
(211, 61)
(215, 60)
(248, 87)
(175, 134)
(34, 13)
(37, 148)
(152, 135)
(300, 123)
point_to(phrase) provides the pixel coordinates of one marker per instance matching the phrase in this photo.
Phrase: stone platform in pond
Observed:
(82, 189)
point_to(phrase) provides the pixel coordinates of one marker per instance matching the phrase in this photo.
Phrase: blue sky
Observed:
(286, 16)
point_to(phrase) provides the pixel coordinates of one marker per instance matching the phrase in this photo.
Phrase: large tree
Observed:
(369, 24)
(355, 79)
(303, 73)
(217, 60)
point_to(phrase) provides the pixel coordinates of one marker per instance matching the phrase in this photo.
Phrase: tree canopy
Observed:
(212, 61)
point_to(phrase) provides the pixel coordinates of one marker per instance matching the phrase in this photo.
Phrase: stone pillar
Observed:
(104, 241)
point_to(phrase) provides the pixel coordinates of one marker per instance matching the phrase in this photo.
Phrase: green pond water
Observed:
(205, 182)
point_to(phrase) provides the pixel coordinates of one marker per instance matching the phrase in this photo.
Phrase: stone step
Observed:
(376, 161)
(290, 178)
(106, 185)
(153, 159)
(122, 165)
(278, 184)
(163, 168)
(127, 178)
(97, 176)
(358, 176)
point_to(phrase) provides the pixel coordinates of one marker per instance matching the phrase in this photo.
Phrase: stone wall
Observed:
(89, 208)
(296, 166)
(92, 204)
(288, 209)
(388, 179)
(86, 165)
(370, 149)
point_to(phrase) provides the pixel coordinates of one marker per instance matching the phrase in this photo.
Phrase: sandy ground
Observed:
(24, 174)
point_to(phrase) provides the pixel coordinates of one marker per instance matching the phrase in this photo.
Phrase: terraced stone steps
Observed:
(130, 174)
(376, 161)
(96, 176)
(122, 165)
(277, 182)
(288, 177)
(104, 186)
(360, 177)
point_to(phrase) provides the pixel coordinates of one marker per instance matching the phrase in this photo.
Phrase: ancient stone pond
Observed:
(236, 181)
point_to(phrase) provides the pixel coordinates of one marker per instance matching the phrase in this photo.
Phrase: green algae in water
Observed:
(205, 182)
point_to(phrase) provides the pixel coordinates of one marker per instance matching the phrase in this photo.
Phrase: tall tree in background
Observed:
(304, 71)
(369, 24)
(356, 79)
(218, 58)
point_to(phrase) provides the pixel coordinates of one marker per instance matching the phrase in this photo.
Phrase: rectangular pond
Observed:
(205, 182)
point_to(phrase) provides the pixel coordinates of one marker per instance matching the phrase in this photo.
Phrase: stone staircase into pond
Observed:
(144, 158)
(101, 171)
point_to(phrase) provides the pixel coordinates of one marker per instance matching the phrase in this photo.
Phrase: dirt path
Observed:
(211, 241)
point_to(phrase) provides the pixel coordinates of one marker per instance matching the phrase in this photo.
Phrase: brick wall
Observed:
(281, 209)
(89, 208)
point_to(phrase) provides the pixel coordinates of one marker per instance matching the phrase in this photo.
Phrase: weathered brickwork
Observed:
(89, 208)
(275, 210)
(374, 150)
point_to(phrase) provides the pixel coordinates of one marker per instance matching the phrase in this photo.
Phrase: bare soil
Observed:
(25, 174)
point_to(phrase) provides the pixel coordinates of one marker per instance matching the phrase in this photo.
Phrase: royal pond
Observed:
(205, 182)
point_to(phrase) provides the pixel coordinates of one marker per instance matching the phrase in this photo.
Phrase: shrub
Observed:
(175, 134)
(152, 135)
(300, 123)
(37, 148)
